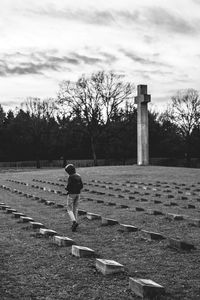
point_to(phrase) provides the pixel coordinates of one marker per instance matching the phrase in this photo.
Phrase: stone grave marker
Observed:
(174, 217)
(120, 196)
(10, 210)
(37, 225)
(180, 245)
(80, 251)
(146, 288)
(123, 206)
(191, 206)
(177, 187)
(128, 228)
(139, 208)
(157, 201)
(111, 204)
(63, 241)
(195, 222)
(5, 207)
(152, 235)
(49, 203)
(108, 267)
(17, 215)
(106, 222)
(60, 206)
(92, 216)
(41, 200)
(188, 193)
(82, 212)
(47, 232)
(26, 219)
(100, 201)
(169, 196)
(173, 203)
(144, 200)
(154, 212)
(157, 195)
(89, 199)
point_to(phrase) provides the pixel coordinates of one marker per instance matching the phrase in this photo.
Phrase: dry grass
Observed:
(34, 268)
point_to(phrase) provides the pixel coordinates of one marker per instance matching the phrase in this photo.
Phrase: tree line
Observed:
(95, 117)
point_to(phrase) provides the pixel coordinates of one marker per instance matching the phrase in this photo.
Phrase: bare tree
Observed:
(95, 99)
(40, 109)
(40, 112)
(185, 114)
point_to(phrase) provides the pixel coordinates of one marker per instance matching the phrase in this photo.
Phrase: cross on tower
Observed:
(142, 100)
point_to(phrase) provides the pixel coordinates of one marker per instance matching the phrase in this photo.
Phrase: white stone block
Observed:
(17, 215)
(128, 228)
(36, 225)
(26, 219)
(174, 217)
(47, 232)
(10, 210)
(63, 241)
(152, 235)
(107, 267)
(92, 216)
(146, 288)
(80, 251)
(106, 222)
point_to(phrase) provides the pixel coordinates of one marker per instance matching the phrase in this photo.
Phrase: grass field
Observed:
(32, 267)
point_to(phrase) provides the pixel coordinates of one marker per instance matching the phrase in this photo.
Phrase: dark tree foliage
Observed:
(95, 99)
(119, 140)
(184, 112)
(38, 130)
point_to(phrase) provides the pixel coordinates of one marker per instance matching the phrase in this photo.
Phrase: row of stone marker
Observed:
(157, 184)
(149, 187)
(170, 216)
(141, 287)
(130, 197)
(169, 196)
(104, 184)
(175, 243)
(171, 203)
(154, 212)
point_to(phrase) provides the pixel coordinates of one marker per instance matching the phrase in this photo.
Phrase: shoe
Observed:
(74, 226)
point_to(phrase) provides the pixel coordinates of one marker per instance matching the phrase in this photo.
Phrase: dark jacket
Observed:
(75, 184)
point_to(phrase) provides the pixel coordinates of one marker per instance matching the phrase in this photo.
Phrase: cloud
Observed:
(33, 63)
(99, 17)
(142, 60)
(149, 74)
(196, 1)
(7, 69)
(109, 58)
(39, 62)
(88, 16)
(103, 57)
(86, 59)
(145, 16)
(165, 20)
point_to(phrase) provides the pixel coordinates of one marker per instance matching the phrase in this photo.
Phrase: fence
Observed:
(195, 163)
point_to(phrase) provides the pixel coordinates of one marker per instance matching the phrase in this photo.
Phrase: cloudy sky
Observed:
(153, 42)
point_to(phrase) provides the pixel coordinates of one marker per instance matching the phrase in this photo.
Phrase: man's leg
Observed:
(70, 208)
(75, 206)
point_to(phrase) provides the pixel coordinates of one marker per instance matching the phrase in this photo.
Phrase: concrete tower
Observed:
(142, 100)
